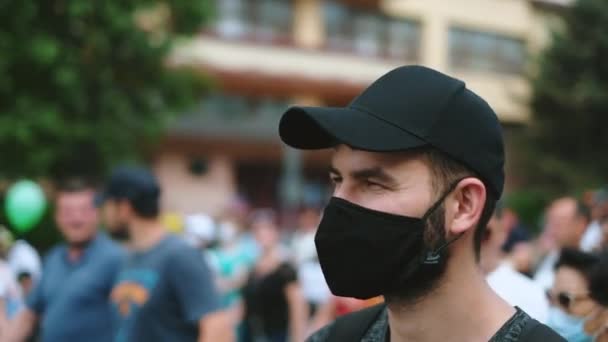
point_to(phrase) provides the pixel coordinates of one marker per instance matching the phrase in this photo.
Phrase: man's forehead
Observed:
(345, 157)
(564, 206)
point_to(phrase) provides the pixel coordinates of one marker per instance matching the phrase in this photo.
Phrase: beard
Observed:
(420, 280)
(120, 233)
(80, 244)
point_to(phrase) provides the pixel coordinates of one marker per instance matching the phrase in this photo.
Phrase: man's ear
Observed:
(468, 200)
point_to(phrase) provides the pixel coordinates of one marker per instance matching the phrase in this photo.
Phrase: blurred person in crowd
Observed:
(10, 292)
(220, 247)
(232, 263)
(604, 230)
(598, 291)
(514, 287)
(418, 164)
(275, 309)
(311, 278)
(26, 282)
(71, 299)
(516, 232)
(303, 240)
(522, 258)
(593, 237)
(574, 311)
(164, 290)
(566, 219)
(200, 231)
(517, 248)
(24, 259)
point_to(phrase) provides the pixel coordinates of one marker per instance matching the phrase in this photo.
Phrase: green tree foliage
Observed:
(84, 84)
(569, 133)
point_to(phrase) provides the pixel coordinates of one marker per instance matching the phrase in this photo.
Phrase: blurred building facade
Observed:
(266, 54)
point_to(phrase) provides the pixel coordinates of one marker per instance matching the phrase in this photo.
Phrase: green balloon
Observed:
(25, 204)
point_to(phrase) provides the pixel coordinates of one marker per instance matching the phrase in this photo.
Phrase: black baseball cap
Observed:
(135, 184)
(407, 108)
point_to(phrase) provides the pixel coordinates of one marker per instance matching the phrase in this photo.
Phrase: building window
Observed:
(482, 51)
(261, 20)
(237, 107)
(370, 33)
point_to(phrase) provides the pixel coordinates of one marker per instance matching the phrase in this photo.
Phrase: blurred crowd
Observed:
(266, 278)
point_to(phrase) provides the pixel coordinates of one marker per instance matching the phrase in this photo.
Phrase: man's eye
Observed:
(335, 179)
(373, 185)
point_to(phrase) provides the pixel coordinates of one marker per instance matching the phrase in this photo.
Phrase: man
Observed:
(566, 219)
(417, 166)
(592, 238)
(164, 291)
(71, 299)
(305, 259)
(514, 287)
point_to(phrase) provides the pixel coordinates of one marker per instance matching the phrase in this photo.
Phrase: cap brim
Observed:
(311, 128)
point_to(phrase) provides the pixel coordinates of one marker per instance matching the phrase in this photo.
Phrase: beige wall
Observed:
(507, 94)
(186, 193)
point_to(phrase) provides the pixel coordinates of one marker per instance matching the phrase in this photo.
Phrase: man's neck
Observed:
(75, 253)
(145, 234)
(490, 261)
(464, 307)
(76, 250)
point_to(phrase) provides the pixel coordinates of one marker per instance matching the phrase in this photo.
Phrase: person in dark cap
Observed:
(418, 167)
(165, 290)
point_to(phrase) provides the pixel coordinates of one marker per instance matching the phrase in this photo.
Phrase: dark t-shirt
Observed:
(266, 310)
(511, 331)
(162, 293)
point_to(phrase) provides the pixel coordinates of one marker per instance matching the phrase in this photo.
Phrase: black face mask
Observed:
(365, 253)
(120, 233)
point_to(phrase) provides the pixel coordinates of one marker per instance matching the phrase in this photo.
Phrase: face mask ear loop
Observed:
(442, 198)
(432, 257)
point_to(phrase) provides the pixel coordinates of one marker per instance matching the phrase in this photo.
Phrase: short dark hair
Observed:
(581, 261)
(72, 185)
(446, 171)
(145, 206)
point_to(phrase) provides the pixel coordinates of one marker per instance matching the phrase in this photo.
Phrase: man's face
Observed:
(563, 224)
(570, 283)
(399, 184)
(76, 216)
(114, 220)
(396, 183)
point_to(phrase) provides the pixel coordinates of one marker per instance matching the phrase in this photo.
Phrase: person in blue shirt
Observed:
(71, 300)
(165, 290)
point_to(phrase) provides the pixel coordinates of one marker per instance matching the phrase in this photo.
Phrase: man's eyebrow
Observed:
(373, 172)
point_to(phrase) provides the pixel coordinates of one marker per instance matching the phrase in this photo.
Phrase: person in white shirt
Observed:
(593, 236)
(314, 287)
(23, 258)
(566, 219)
(512, 286)
(11, 298)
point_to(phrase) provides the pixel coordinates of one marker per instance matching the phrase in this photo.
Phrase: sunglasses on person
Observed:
(565, 299)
